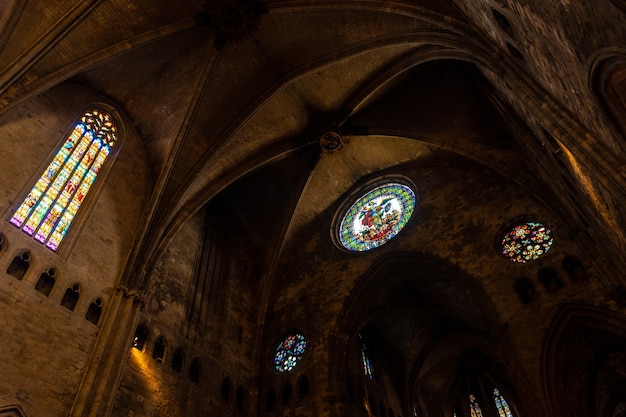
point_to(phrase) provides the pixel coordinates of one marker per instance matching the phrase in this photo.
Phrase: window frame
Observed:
(82, 215)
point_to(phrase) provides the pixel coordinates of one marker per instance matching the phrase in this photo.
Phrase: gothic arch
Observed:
(8, 19)
(584, 361)
(411, 294)
(607, 81)
(12, 411)
(437, 44)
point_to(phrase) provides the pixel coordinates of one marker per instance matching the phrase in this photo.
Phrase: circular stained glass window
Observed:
(376, 217)
(289, 352)
(526, 242)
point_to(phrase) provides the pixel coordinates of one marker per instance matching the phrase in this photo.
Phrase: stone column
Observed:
(96, 392)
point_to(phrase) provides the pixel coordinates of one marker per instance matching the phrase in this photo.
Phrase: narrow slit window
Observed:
(19, 265)
(158, 353)
(287, 393)
(226, 386)
(195, 369)
(177, 359)
(46, 281)
(303, 387)
(365, 359)
(70, 298)
(49, 208)
(95, 311)
(240, 398)
(141, 335)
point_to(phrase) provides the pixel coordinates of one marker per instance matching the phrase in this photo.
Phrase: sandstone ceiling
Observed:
(229, 100)
(216, 90)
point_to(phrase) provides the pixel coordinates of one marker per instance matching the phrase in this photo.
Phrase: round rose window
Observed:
(289, 352)
(376, 217)
(526, 242)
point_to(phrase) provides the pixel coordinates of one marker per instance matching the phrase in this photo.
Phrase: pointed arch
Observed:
(19, 265)
(178, 357)
(94, 311)
(159, 350)
(12, 411)
(582, 361)
(52, 204)
(71, 296)
(46, 281)
(607, 80)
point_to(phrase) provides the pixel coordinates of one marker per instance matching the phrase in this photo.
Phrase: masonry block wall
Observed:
(219, 210)
(221, 338)
(46, 346)
(468, 239)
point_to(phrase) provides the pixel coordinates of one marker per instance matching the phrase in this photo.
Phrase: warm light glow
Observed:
(142, 362)
(590, 189)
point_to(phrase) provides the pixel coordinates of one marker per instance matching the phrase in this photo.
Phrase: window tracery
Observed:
(289, 352)
(527, 242)
(376, 217)
(52, 204)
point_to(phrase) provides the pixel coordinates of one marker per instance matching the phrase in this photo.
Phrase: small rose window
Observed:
(526, 242)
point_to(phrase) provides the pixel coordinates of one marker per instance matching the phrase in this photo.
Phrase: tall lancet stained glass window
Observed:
(367, 365)
(501, 404)
(48, 210)
(475, 410)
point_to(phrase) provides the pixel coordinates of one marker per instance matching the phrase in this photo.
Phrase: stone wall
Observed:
(45, 346)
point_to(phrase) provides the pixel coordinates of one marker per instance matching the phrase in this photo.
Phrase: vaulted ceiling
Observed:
(215, 90)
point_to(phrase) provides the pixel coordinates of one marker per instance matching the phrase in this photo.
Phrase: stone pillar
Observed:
(96, 392)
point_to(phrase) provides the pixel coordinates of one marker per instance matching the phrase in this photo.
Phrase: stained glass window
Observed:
(51, 205)
(501, 404)
(367, 365)
(474, 407)
(376, 217)
(289, 352)
(526, 242)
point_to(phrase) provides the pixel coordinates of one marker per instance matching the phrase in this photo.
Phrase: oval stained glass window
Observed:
(289, 352)
(376, 217)
(526, 242)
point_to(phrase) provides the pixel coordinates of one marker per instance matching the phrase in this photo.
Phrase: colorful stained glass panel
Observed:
(527, 242)
(475, 410)
(501, 404)
(289, 352)
(376, 217)
(367, 365)
(48, 210)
